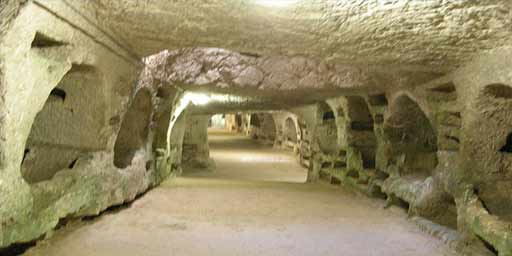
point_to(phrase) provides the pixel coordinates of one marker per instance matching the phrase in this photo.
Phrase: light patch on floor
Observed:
(241, 158)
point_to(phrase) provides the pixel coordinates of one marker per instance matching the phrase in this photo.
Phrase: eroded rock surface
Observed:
(408, 101)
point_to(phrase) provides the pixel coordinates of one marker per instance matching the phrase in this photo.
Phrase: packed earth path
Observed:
(255, 202)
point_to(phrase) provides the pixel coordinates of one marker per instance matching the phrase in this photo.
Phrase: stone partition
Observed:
(81, 140)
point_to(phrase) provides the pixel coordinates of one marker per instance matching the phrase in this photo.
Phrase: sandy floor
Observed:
(220, 215)
(238, 157)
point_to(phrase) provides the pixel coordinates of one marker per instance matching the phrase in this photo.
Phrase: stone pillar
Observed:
(196, 152)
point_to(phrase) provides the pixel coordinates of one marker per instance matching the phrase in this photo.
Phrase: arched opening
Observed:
(290, 131)
(262, 127)
(507, 148)
(161, 126)
(361, 129)
(67, 127)
(196, 153)
(269, 127)
(328, 141)
(217, 121)
(238, 120)
(490, 132)
(254, 120)
(134, 129)
(413, 141)
(498, 91)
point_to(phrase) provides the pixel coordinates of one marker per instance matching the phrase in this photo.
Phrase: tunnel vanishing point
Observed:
(405, 101)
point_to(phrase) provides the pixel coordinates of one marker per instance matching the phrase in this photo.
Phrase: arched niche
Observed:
(327, 131)
(269, 126)
(488, 148)
(411, 137)
(217, 121)
(254, 120)
(238, 121)
(134, 130)
(263, 126)
(360, 127)
(498, 91)
(290, 130)
(68, 126)
(162, 116)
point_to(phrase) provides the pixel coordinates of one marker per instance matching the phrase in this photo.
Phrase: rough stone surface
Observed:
(405, 34)
(404, 100)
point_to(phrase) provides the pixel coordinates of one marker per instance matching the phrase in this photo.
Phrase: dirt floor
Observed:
(240, 209)
(241, 158)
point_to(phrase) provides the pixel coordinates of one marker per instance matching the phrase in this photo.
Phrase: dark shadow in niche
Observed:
(326, 165)
(453, 138)
(507, 148)
(361, 126)
(477, 193)
(378, 100)
(72, 164)
(498, 91)
(444, 88)
(134, 129)
(43, 41)
(329, 115)
(402, 203)
(255, 121)
(340, 165)
(353, 174)
(250, 54)
(335, 181)
(149, 164)
(58, 93)
(25, 154)
(369, 163)
(163, 93)
(18, 249)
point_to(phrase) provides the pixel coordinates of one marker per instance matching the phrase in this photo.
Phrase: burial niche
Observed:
(413, 141)
(67, 127)
(134, 129)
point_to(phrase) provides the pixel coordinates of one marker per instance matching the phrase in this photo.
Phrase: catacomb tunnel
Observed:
(255, 127)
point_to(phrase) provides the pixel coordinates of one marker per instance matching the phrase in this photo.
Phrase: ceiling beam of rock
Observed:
(274, 82)
(413, 35)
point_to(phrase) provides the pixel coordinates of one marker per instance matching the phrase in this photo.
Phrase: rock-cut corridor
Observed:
(257, 209)
(250, 127)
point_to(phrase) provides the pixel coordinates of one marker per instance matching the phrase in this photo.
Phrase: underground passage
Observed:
(256, 127)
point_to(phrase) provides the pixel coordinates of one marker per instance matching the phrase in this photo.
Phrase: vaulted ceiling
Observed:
(406, 35)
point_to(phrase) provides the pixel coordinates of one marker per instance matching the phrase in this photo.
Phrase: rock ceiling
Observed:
(385, 43)
(414, 35)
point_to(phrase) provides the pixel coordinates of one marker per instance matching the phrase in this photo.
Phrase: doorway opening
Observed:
(241, 147)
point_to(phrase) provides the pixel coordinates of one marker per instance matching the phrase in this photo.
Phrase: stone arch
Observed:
(361, 129)
(269, 126)
(488, 127)
(328, 141)
(263, 127)
(412, 138)
(290, 130)
(162, 117)
(133, 134)
(217, 121)
(254, 120)
(67, 127)
(498, 91)
(238, 120)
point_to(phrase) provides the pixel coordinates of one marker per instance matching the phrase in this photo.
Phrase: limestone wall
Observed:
(75, 128)
(439, 150)
(196, 152)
